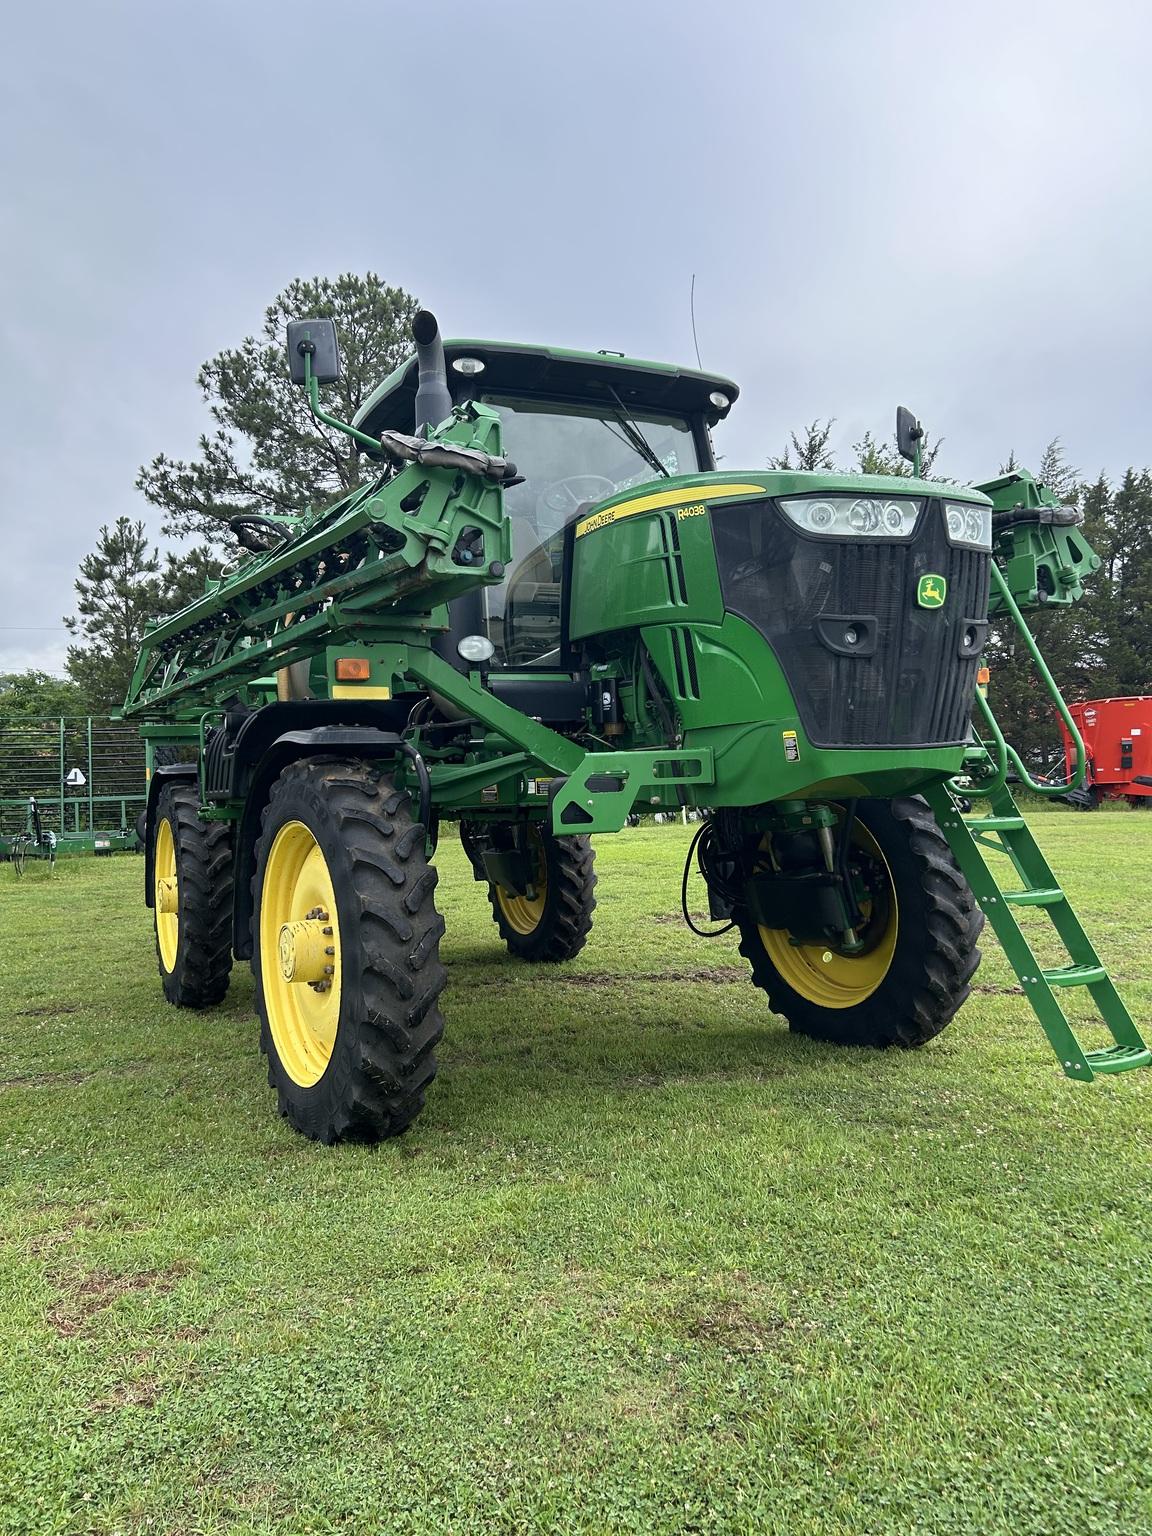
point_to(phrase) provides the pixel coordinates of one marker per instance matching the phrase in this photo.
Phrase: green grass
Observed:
(647, 1262)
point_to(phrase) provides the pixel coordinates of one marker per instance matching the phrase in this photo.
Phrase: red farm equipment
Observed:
(1118, 741)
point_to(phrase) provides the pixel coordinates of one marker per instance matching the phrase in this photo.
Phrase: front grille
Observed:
(916, 687)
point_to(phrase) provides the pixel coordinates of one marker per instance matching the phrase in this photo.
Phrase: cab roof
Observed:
(550, 373)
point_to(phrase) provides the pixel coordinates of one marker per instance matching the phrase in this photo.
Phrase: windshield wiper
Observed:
(636, 439)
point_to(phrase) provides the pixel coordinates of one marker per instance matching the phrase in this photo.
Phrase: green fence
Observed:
(37, 757)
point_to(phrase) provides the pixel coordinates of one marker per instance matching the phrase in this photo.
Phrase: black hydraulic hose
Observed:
(422, 778)
(843, 846)
(662, 709)
(447, 725)
(704, 933)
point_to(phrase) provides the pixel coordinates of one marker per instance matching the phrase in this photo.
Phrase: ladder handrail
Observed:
(1007, 754)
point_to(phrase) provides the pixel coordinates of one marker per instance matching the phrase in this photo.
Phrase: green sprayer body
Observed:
(551, 609)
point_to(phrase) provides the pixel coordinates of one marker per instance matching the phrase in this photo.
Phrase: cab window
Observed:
(569, 456)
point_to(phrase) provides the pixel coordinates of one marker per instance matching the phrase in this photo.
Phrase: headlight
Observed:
(968, 525)
(476, 648)
(841, 517)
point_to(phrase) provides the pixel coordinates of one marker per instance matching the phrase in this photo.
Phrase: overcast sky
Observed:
(942, 206)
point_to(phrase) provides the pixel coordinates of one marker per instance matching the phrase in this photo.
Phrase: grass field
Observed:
(647, 1263)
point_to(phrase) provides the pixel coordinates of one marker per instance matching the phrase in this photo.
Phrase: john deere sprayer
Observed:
(549, 611)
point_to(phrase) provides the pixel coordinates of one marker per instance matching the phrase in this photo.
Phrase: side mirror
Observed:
(315, 339)
(909, 434)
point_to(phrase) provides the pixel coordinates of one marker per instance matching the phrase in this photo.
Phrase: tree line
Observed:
(265, 453)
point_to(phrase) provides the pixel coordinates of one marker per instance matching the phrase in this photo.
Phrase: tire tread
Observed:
(383, 1061)
(204, 872)
(922, 991)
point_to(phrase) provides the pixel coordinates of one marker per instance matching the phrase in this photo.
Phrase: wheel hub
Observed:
(167, 899)
(306, 952)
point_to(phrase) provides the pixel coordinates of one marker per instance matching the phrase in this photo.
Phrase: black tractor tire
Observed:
(938, 923)
(1083, 800)
(388, 1023)
(202, 963)
(556, 928)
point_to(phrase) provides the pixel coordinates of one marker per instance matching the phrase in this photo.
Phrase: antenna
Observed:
(692, 309)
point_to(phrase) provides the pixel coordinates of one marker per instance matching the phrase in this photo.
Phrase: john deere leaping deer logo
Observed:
(931, 591)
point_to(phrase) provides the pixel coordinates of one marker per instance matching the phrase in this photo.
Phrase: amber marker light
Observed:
(353, 669)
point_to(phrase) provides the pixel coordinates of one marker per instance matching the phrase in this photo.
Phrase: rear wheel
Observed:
(346, 952)
(549, 920)
(192, 899)
(917, 940)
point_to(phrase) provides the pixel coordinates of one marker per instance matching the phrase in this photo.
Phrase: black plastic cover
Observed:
(318, 336)
(916, 685)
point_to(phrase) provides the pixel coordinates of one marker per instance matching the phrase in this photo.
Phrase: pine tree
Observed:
(118, 592)
(183, 579)
(1130, 637)
(1093, 614)
(265, 452)
(1057, 474)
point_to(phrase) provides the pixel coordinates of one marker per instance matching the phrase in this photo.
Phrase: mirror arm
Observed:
(313, 389)
(909, 437)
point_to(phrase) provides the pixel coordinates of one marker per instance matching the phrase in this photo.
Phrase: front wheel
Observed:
(346, 951)
(914, 953)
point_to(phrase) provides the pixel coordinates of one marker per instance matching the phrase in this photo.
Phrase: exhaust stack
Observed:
(433, 402)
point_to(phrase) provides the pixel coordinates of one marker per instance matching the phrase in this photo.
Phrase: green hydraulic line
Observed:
(1006, 754)
(1000, 777)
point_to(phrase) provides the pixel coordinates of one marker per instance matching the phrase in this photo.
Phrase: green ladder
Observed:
(1005, 831)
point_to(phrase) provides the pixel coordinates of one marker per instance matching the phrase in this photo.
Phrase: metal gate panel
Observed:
(36, 756)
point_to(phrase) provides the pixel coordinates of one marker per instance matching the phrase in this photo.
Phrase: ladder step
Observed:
(1119, 1058)
(996, 824)
(1075, 975)
(1038, 898)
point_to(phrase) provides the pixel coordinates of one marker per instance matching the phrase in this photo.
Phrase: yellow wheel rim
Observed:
(523, 913)
(300, 954)
(167, 901)
(821, 975)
